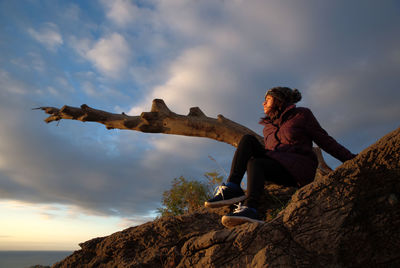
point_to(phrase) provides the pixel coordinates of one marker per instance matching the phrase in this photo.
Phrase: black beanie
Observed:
(284, 94)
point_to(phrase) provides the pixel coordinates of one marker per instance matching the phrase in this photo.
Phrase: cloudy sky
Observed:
(62, 184)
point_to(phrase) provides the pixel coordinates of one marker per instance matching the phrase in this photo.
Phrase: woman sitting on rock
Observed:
(287, 159)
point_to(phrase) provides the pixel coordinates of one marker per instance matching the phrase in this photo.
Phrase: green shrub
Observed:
(185, 196)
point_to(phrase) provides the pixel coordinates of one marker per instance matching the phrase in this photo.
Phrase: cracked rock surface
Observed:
(348, 218)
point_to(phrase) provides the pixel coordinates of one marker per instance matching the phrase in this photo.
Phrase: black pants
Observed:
(250, 156)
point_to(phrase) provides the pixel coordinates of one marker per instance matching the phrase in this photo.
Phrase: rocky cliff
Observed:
(348, 218)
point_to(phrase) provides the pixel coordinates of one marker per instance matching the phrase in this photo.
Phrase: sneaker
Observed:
(225, 196)
(240, 215)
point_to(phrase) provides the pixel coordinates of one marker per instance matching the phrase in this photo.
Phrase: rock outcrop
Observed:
(348, 218)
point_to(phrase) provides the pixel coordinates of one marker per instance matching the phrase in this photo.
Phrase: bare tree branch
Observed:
(159, 120)
(162, 120)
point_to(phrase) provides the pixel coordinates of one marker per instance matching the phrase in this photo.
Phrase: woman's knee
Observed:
(248, 139)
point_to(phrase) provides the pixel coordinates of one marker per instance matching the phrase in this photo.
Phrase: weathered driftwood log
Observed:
(162, 120)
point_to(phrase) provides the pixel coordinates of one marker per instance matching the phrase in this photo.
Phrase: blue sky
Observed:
(219, 55)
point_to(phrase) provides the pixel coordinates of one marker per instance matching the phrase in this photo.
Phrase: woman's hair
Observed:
(284, 94)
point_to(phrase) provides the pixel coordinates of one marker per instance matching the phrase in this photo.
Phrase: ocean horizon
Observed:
(28, 258)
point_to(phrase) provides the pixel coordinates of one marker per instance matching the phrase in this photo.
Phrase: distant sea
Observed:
(24, 259)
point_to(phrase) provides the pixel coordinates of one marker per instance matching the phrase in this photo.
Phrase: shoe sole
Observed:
(223, 203)
(231, 221)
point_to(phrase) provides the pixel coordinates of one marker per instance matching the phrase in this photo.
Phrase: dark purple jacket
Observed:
(289, 138)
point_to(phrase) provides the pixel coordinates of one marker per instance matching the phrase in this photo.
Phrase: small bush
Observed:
(185, 196)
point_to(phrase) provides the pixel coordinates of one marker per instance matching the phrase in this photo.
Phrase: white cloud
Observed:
(81, 46)
(121, 12)
(52, 91)
(9, 85)
(183, 147)
(110, 54)
(185, 156)
(37, 62)
(187, 84)
(127, 13)
(64, 84)
(20, 63)
(225, 50)
(48, 35)
(356, 97)
(30, 61)
(89, 89)
(272, 24)
(195, 79)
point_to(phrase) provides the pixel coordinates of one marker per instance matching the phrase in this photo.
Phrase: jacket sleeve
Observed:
(325, 141)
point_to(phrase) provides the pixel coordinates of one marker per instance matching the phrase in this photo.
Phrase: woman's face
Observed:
(268, 104)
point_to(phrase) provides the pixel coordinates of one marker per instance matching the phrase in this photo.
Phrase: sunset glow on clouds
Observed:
(218, 55)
